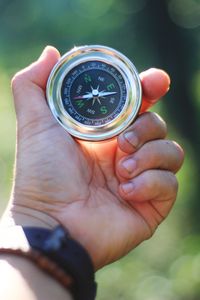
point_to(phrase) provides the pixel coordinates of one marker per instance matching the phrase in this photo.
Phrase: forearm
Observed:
(21, 279)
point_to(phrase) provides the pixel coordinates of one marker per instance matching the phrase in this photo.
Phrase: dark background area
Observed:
(152, 33)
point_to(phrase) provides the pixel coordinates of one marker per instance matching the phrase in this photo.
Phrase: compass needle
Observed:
(99, 101)
(103, 94)
(99, 92)
(87, 96)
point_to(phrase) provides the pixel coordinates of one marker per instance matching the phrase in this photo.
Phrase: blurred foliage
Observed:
(165, 34)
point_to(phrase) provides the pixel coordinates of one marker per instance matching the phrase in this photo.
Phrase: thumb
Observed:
(29, 84)
(155, 84)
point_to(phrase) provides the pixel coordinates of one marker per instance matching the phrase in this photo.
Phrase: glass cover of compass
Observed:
(94, 92)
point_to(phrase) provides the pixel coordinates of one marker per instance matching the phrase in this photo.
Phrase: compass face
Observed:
(93, 93)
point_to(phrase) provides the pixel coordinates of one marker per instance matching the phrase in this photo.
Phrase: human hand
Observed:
(82, 184)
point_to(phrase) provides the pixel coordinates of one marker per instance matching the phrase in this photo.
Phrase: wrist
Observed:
(18, 214)
(55, 253)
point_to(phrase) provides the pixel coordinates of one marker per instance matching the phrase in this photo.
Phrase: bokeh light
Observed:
(90, 8)
(185, 13)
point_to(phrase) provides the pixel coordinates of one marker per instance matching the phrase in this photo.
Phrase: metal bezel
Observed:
(109, 56)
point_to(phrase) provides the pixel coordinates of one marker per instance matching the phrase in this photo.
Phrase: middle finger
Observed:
(158, 154)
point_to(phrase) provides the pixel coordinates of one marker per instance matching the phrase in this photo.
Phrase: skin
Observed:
(21, 279)
(110, 196)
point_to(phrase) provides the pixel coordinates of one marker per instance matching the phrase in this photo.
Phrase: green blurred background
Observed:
(153, 33)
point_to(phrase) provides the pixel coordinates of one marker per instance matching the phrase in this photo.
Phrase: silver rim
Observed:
(111, 57)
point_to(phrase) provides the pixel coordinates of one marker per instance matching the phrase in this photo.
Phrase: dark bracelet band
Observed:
(55, 252)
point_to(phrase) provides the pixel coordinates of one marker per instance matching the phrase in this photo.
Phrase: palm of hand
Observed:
(76, 183)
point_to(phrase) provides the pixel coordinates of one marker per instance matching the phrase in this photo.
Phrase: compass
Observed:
(94, 92)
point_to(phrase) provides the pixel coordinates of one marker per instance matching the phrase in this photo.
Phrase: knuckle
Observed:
(173, 183)
(17, 80)
(158, 122)
(154, 122)
(177, 152)
(180, 153)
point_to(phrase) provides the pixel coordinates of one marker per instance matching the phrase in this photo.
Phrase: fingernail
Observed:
(131, 138)
(129, 165)
(127, 187)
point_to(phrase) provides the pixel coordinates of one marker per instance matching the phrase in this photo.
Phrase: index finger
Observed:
(155, 84)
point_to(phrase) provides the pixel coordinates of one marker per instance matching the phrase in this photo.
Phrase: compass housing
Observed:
(129, 101)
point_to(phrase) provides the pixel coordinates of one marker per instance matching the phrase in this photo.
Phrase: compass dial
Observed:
(94, 93)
